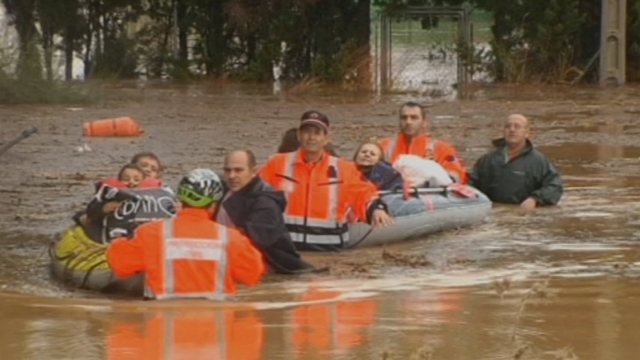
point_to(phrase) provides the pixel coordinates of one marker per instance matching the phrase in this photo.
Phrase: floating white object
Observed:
(83, 148)
(416, 171)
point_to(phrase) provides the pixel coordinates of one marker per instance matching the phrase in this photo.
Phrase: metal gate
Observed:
(421, 49)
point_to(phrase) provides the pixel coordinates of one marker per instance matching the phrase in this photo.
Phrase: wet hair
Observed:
(370, 142)
(131, 166)
(413, 104)
(146, 154)
(290, 143)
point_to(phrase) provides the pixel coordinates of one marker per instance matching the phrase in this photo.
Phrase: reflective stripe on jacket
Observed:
(213, 251)
(320, 195)
(422, 145)
(188, 256)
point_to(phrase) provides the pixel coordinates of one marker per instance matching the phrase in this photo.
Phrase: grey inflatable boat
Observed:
(425, 212)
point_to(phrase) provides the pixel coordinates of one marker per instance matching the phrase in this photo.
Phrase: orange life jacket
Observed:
(150, 183)
(114, 182)
(187, 256)
(320, 196)
(422, 145)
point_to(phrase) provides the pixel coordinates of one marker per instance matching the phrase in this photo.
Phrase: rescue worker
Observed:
(415, 140)
(291, 143)
(515, 172)
(256, 209)
(322, 190)
(189, 256)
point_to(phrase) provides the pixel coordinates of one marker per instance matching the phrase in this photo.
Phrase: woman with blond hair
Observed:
(370, 161)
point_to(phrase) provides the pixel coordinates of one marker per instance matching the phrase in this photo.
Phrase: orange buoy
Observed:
(124, 126)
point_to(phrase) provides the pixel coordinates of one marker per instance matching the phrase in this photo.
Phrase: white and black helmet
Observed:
(200, 188)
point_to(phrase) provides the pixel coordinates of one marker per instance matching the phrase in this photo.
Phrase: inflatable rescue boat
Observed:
(422, 212)
(79, 260)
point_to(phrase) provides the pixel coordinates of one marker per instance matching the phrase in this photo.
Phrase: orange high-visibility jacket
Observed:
(187, 256)
(422, 145)
(319, 196)
(184, 333)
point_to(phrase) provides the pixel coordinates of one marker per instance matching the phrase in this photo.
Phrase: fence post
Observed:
(385, 51)
(613, 42)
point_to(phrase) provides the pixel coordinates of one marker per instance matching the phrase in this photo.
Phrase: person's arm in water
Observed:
(551, 187)
(245, 261)
(479, 176)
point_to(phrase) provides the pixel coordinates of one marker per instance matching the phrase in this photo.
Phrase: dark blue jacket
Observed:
(257, 211)
(383, 175)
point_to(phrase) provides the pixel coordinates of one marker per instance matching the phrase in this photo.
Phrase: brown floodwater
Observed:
(555, 283)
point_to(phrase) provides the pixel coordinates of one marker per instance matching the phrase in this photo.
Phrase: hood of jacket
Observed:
(258, 188)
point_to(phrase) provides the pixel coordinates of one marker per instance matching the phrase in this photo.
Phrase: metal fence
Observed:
(413, 50)
(418, 49)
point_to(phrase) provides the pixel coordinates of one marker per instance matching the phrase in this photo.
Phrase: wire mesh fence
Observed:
(423, 52)
(422, 57)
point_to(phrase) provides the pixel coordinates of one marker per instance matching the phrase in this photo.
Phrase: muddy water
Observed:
(557, 283)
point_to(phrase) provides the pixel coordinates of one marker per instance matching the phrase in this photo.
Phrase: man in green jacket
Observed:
(515, 172)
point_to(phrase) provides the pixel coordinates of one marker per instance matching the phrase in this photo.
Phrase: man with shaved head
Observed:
(514, 172)
(256, 209)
